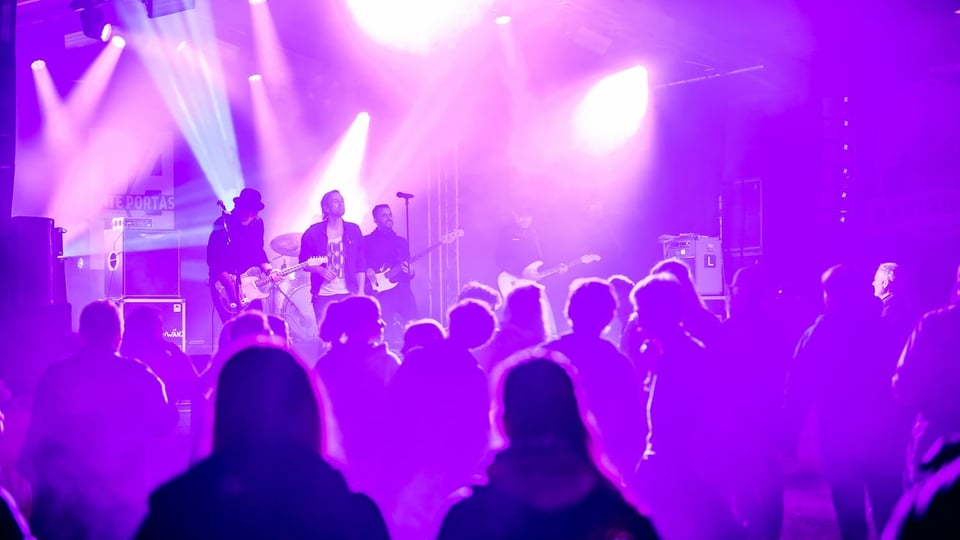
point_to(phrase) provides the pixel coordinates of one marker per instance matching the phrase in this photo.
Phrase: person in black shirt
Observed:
(342, 243)
(386, 251)
(234, 246)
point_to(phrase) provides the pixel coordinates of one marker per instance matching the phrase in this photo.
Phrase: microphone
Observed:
(222, 207)
(403, 195)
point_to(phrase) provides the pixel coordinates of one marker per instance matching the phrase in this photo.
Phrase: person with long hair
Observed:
(266, 477)
(548, 482)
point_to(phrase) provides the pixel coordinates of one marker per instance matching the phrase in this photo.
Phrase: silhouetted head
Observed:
(524, 309)
(100, 325)
(846, 288)
(886, 280)
(471, 324)
(249, 323)
(421, 334)
(265, 398)
(354, 319)
(540, 408)
(332, 205)
(622, 286)
(591, 306)
(484, 293)
(658, 303)
(749, 292)
(142, 327)
(679, 270)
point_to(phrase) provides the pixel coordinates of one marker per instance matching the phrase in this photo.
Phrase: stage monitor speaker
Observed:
(142, 263)
(173, 315)
(704, 257)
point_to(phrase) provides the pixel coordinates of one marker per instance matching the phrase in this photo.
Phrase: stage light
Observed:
(161, 8)
(118, 42)
(182, 46)
(37, 65)
(256, 77)
(613, 110)
(503, 19)
(92, 21)
(258, 2)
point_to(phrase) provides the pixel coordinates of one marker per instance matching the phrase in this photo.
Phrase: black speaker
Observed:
(742, 215)
(32, 252)
(142, 263)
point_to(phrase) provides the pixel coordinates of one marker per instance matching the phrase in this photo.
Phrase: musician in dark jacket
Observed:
(234, 246)
(387, 252)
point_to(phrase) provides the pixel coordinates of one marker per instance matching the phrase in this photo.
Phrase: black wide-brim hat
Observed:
(249, 199)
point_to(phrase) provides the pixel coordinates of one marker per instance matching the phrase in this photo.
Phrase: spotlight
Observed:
(118, 42)
(503, 19)
(256, 77)
(160, 8)
(37, 65)
(257, 2)
(92, 20)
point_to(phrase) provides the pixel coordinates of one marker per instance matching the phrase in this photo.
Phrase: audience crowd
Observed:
(652, 418)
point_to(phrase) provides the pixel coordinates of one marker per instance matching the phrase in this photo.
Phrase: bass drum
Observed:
(297, 310)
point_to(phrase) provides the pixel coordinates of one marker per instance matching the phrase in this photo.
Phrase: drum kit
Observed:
(291, 299)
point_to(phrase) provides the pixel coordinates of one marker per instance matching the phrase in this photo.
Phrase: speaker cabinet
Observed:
(32, 250)
(704, 257)
(142, 263)
(173, 314)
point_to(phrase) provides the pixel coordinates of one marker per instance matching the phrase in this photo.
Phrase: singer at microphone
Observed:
(403, 195)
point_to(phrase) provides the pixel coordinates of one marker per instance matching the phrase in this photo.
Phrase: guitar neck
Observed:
(554, 269)
(421, 254)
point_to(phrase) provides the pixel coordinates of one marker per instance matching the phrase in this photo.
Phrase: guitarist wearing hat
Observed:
(385, 250)
(235, 245)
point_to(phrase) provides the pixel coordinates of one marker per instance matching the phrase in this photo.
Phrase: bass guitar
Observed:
(254, 285)
(534, 272)
(388, 277)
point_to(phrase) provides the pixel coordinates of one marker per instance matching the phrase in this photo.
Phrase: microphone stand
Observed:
(406, 215)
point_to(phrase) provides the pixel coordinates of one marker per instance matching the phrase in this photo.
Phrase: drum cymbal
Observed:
(286, 244)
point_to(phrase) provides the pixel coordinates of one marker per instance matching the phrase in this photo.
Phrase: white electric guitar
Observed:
(534, 272)
(255, 285)
(387, 278)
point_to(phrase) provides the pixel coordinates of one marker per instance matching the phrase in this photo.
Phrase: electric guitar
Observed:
(534, 272)
(388, 277)
(255, 285)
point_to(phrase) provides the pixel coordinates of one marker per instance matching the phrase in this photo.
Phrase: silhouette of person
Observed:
(421, 333)
(266, 477)
(439, 410)
(355, 372)
(927, 376)
(143, 339)
(95, 416)
(622, 286)
(697, 319)
(677, 476)
(755, 353)
(478, 291)
(610, 384)
(522, 326)
(840, 356)
(930, 509)
(547, 483)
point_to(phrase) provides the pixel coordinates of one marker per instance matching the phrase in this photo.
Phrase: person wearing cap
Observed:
(235, 246)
